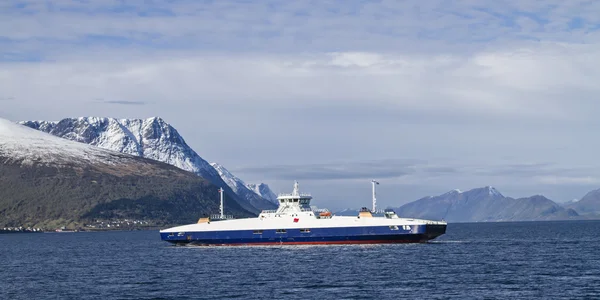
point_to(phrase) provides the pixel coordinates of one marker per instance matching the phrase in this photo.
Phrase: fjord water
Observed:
(526, 260)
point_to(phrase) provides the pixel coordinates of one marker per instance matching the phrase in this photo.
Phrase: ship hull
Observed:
(316, 236)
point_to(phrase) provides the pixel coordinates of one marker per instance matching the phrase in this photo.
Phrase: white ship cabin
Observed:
(294, 205)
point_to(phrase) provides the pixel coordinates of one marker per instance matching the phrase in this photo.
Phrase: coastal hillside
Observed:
(46, 181)
(151, 138)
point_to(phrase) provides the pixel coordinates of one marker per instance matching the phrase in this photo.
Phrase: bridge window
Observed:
(280, 231)
(257, 232)
(295, 200)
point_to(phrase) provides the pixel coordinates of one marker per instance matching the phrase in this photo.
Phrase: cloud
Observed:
(565, 180)
(124, 102)
(347, 104)
(491, 83)
(545, 173)
(456, 93)
(341, 171)
(278, 54)
(406, 180)
(313, 26)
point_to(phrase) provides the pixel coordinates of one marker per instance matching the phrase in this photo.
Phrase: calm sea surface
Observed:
(530, 260)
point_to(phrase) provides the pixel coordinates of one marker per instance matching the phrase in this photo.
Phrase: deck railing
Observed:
(218, 217)
(295, 195)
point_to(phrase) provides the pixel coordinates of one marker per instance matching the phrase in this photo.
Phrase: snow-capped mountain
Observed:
(241, 189)
(47, 180)
(19, 144)
(151, 138)
(263, 190)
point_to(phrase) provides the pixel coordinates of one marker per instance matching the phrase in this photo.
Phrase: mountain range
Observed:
(143, 168)
(487, 204)
(155, 139)
(48, 181)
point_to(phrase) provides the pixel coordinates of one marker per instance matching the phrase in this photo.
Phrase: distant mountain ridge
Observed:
(241, 189)
(484, 204)
(588, 204)
(151, 138)
(263, 190)
(48, 181)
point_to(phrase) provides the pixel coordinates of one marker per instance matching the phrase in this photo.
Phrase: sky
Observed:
(423, 96)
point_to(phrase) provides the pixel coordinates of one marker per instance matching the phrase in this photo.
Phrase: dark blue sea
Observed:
(529, 260)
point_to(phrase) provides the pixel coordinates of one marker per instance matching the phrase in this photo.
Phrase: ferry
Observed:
(295, 222)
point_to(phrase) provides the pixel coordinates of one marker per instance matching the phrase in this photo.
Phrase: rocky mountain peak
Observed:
(151, 138)
(263, 190)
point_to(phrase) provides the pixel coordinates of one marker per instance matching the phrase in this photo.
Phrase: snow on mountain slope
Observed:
(20, 143)
(263, 190)
(51, 181)
(240, 188)
(151, 138)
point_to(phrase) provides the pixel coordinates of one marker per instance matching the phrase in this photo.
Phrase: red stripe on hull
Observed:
(315, 243)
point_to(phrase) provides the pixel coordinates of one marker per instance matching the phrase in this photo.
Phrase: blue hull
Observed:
(344, 235)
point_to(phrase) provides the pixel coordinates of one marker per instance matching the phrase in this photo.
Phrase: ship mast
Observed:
(296, 191)
(221, 206)
(373, 182)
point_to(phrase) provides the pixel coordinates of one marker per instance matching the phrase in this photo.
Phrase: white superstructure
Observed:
(295, 212)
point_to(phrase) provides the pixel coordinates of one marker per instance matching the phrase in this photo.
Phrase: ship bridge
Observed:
(295, 199)
(293, 204)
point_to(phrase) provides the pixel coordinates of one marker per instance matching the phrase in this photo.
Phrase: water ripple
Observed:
(530, 260)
